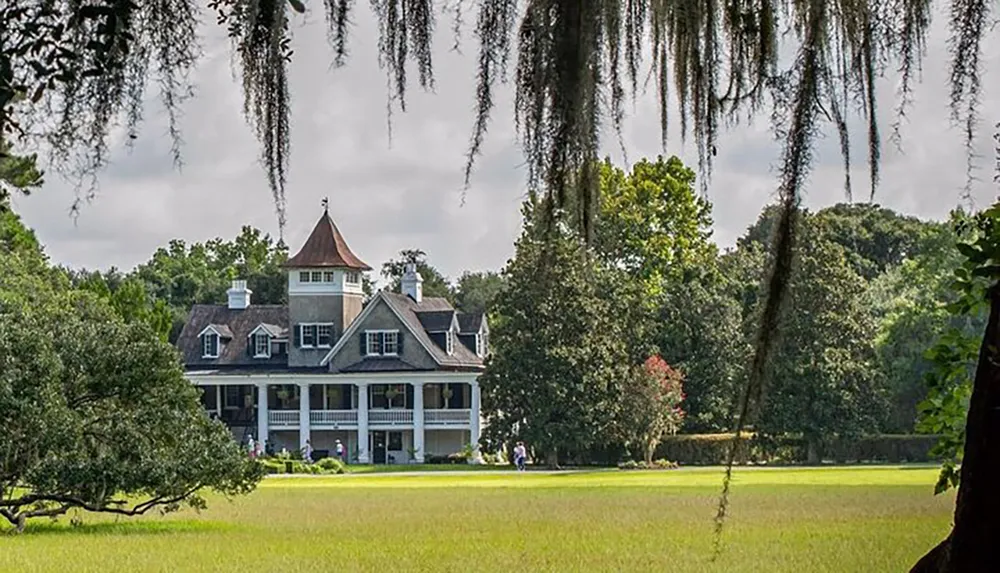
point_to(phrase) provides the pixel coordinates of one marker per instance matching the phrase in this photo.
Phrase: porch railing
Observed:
(390, 417)
(283, 418)
(447, 417)
(333, 417)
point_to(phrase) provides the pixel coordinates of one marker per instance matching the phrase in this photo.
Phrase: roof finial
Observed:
(326, 204)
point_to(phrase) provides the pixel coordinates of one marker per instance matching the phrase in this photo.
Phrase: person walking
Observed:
(338, 449)
(307, 453)
(250, 446)
(520, 452)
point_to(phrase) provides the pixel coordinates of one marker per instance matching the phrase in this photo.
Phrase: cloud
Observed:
(407, 193)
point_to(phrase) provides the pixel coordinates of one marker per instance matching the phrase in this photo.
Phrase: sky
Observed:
(386, 196)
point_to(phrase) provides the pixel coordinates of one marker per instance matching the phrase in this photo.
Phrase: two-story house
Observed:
(395, 379)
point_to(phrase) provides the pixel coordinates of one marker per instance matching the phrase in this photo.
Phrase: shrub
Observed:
(331, 465)
(272, 466)
(660, 464)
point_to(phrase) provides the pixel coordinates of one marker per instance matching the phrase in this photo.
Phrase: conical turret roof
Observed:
(326, 247)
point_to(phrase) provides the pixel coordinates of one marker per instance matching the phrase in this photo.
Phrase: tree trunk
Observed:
(552, 459)
(972, 546)
(812, 452)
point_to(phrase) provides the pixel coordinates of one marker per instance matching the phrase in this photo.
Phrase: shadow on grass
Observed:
(123, 527)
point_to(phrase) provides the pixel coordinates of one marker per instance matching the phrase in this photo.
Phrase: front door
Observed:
(378, 446)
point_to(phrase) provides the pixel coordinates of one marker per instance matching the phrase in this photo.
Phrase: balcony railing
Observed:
(289, 419)
(390, 417)
(333, 417)
(447, 417)
(283, 418)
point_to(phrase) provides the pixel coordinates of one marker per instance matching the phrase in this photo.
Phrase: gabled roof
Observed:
(436, 320)
(408, 311)
(326, 247)
(273, 330)
(394, 364)
(235, 326)
(471, 323)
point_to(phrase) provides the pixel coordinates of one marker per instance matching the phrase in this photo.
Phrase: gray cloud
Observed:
(409, 194)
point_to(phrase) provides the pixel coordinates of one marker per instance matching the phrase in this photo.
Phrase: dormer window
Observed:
(210, 345)
(481, 345)
(261, 345)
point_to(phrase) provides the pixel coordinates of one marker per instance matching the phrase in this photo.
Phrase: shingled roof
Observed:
(236, 324)
(326, 247)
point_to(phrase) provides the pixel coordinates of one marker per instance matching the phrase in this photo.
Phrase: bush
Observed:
(272, 466)
(331, 465)
(711, 449)
(660, 464)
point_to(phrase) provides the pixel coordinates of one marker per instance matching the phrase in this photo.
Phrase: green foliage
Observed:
(331, 465)
(97, 413)
(435, 284)
(651, 405)
(560, 354)
(660, 464)
(18, 173)
(477, 292)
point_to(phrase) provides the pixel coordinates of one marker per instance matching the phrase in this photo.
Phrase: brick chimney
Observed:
(412, 284)
(239, 295)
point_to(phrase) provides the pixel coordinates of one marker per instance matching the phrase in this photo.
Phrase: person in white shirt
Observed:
(520, 453)
(339, 451)
(307, 453)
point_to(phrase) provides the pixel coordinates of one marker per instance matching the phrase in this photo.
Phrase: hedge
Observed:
(711, 449)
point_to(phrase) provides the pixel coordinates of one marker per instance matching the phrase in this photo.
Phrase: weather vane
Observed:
(326, 203)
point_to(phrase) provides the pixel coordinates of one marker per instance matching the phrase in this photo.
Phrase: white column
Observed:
(418, 421)
(363, 423)
(218, 400)
(304, 430)
(474, 418)
(262, 412)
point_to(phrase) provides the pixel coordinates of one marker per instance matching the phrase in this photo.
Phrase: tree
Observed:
(18, 173)
(477, 292)
(652, 404)
(559, 352)
(129, 299)
(97, 413)
(435, 284)
(824, 382)
(652, 223)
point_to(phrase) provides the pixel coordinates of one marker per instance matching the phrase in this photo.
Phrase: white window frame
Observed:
(206, 348)
(395, 342)
(304, 277)
(328, 276)
(225, 398)
(352, 277)
(329, 334)
(480, 345)
(368, 342)
(315, 326)
(317, 276)
(257, 344)
(449, 342)
(302, 335)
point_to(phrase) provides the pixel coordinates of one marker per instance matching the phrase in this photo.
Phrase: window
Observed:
(328, 276)
(481, 348)
(390, 343)
(210, 345)
(304, 276)
(450, 342)
(374, 343)
(232, 399)
(395, 441)
(308, 335)
(352, 277)
(261, 346)
(323, 335)
(317, 276)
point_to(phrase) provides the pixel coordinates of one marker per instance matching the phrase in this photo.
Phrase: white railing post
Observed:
(418, 421)
(262, 412)
(304, 430)
(363, 422)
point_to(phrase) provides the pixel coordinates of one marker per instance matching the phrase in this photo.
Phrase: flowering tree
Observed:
(653, 404)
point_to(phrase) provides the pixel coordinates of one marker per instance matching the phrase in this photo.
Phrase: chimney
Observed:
(239, 295)
(412, 284)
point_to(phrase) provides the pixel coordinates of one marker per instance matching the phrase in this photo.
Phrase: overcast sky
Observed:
(408, 195)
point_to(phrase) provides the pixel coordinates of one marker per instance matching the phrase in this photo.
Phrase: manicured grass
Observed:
(798, 520)
(398, 468)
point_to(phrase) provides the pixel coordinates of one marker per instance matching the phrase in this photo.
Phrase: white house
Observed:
(394, 379)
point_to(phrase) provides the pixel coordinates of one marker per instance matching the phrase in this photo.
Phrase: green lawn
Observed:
(798, 520)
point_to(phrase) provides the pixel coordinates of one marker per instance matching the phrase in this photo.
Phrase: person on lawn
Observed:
(307, 453)
(520, 452)
(339, 451)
